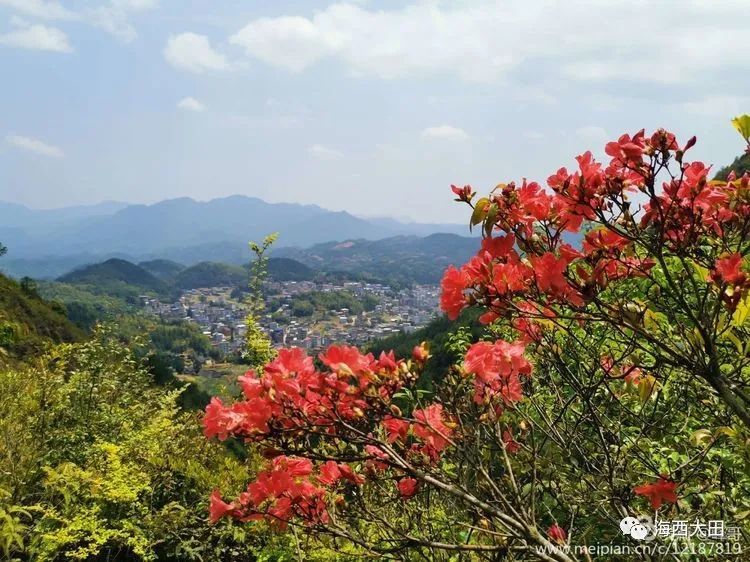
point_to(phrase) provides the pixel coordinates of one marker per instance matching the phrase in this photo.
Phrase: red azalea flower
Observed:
(407, 487)
(387, 361)
(453, 285)
(293, 466)
(729, 270)
(329, 473)
(511, 445)
(557, 534)
(395, 429)
(420, 353)
(346, 358)
(218, 508)
(348, 473)
(663, 490)
(464, 193)
(431, 428)
(549, 271)
(499, 247)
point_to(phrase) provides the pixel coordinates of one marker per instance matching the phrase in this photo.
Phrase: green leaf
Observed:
(742, 124)
(480, 211)
(646, 388)
(700, 436)
(742, 312)
(489, 221)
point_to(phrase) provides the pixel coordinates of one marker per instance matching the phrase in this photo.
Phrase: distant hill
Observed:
(287, 269)
(47, 243)
(178, 223)
(400, 258)
(116, 270)
(166, 270)
(27, 321)
(740, 165)
(211, 274)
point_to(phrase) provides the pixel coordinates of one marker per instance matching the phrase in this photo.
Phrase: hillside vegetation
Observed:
(86, 308)
(116, 277)
(740, 165)
(407, 259)
(286, 269)
(211, 274)
(27, 321)
(162, 269)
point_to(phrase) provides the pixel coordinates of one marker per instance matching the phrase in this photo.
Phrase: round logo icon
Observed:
(641, 528)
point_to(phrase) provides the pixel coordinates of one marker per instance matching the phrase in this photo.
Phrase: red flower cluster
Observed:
(498, 368)
(431, 428)
(291, 399)
(663, 490)
(733, 281)
(550, 271)
(288, 488)
(291, 394)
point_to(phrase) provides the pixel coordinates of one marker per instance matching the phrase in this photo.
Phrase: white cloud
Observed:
(34, 145)
(114, 17)
(191, 104)
(110, 16)
(40, 9)
(592, 133)
(36, 36)
(483, 40)
(324, 153)
(446, 132)
(721, 106)
(290, 42)
(193, 52)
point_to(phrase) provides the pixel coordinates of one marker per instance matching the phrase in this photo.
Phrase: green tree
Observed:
(258, 349)
(99, 463)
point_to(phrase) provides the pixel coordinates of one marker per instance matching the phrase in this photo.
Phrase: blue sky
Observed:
(372, 107)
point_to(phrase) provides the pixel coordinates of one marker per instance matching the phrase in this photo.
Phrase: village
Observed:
(375, 311)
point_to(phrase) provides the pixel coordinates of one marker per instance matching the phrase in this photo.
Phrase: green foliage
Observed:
(166, 270)
(83, 307)
(27, 321)
(211, 274)
(397, 260)
(99, 463)
(286, 269)
(742, 124)
(258, 348)
(444, 339)
(117, 278)
(179, 337)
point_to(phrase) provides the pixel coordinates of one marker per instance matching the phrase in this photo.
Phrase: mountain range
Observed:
(48, 243)
(409, 259)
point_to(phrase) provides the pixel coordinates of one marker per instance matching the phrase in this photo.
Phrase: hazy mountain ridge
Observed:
(404, 258)
(48, 243)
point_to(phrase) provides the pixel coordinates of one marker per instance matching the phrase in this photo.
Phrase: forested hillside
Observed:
(27, 322)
